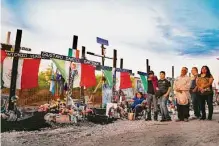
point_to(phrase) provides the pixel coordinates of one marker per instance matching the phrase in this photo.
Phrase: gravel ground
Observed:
(122, 132)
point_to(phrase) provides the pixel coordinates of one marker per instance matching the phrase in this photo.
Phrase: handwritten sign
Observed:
(23, 55)
(48, 55)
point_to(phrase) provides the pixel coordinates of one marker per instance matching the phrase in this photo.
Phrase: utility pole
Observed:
(14, 68)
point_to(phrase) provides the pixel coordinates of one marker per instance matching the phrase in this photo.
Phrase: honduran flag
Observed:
(27, 74)
(123, 80)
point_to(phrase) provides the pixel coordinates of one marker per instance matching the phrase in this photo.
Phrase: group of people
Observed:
(195, 90)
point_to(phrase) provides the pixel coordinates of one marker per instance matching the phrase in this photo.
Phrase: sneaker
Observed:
(202, 118)
(186, 120)
(162, 120)
(178, 120)
(169, 119)
(209, 119)
(148, 119)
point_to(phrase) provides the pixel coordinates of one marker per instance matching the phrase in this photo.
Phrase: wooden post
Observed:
(172, 78)
(103, 53)
(8, 37)
(114, 58)
(147, 65)
(74, 46)
(121, 63)
(14, 69)
(114, 73)
(83, 56)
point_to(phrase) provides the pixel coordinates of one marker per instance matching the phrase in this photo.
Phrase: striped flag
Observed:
(27, 73)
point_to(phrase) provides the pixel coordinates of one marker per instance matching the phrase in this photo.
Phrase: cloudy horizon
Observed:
(170, 33)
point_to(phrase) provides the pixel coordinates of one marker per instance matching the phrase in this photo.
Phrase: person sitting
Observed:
(137, 103)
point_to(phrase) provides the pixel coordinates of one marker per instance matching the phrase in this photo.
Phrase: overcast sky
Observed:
(169, 33)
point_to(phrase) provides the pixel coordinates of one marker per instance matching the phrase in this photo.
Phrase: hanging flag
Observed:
(75, 53)
(27, 76)
(123, 80)
(70, 52)
(63, 67)
(144, 82)
(3, 55)
(88, 78)
(52, 82)
(109, 77)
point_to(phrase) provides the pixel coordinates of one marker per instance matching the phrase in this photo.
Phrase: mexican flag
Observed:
(84, 73)
(144, 82)
(63, 67)
(123, 80)
(3, 55)
(27, 76)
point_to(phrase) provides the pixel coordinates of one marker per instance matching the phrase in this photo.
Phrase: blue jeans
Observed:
(163, 108)
(196, 104)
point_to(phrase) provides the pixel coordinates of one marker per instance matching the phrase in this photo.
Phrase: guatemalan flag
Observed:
(27, 73)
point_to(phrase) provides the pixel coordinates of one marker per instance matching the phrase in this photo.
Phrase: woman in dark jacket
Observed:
(205, 91)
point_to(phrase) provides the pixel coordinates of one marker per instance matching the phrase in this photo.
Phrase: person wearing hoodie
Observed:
(152, 89)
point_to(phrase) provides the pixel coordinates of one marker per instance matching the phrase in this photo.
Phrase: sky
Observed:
(169, 33)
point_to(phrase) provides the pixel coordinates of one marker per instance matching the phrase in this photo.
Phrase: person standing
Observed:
(181, 87)
(164, 88)
(152, 88)
(193, 92)
(205, 91)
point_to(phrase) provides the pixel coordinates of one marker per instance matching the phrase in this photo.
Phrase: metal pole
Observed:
(14, 69)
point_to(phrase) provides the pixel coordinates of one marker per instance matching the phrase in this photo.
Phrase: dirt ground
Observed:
(122, 133)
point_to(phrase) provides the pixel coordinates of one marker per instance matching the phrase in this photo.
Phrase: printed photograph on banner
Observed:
(129, 93)
(76, 70)
(106, 94)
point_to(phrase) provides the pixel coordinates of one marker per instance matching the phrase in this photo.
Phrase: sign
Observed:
(142, 73)
(106, 68)
(123, 70)
(48, 55)
(8, 47)
(23, 55)
(102, 41)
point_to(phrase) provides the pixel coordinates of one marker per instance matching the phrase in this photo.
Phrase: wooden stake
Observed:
(14, 69)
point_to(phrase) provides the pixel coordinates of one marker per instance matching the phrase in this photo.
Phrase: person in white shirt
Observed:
(181, 87)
